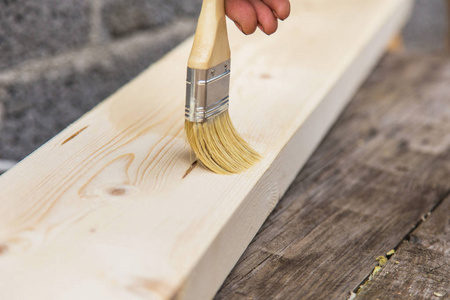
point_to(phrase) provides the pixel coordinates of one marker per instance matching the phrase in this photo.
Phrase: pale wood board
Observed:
(102, 210)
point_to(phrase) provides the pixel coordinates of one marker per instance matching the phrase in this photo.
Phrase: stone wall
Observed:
(59, 58)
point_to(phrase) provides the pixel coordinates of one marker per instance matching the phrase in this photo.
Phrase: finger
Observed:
(266, 19)
(281, 8)
(243, 14)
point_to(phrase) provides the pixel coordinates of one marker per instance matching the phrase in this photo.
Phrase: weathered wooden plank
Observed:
(104, 210)
(420, 269)
(384, 165)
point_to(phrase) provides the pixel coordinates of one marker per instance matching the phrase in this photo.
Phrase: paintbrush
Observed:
(210, 132)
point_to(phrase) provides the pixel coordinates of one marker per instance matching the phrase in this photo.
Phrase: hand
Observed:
(248, 14)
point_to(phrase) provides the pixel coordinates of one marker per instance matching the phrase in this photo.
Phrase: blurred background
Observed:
(59, 58)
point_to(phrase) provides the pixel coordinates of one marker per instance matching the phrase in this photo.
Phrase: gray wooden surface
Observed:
(384, 165)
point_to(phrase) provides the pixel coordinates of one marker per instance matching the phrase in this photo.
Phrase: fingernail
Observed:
(261, 27)
(239, 26)
(277, 16)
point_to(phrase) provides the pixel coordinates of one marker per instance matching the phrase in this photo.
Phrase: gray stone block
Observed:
(427, 29)
(122, 17)
(188, 7)
(40, 28)
(41, 100)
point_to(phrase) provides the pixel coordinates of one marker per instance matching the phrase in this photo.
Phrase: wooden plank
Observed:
(104, 210)
(383, 166)
(420, 269)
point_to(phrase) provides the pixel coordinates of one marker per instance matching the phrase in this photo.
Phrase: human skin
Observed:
(263, 14)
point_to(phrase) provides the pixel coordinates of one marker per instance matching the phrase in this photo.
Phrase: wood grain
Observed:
(102, 211)
(384, 165)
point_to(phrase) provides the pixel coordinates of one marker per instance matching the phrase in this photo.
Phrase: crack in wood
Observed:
(433, 269)
(191, 168)
(74, 135)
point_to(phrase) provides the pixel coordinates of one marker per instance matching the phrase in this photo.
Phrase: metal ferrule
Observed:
(207, 92)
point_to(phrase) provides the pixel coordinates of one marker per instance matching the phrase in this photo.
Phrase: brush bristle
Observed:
(219, 147)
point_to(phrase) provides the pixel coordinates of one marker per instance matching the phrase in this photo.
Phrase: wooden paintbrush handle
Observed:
(211, 45)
